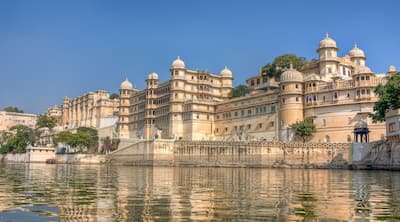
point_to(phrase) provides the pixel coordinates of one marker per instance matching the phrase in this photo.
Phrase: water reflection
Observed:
(39, 192)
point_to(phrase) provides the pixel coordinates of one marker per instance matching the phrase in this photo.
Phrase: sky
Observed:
(51, 49)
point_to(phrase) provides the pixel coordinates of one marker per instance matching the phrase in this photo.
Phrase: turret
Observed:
(328, 62)
(291, 102)
(357, 56)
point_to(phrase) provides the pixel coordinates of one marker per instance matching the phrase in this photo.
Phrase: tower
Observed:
(177, 87)
(328, 61)
(150, 113)
(357, 56)
(125, 93)
(291, 102)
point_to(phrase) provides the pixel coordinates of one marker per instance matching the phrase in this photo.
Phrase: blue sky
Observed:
(51, 49)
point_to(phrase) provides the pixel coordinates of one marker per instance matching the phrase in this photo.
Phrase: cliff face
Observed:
(380, 155)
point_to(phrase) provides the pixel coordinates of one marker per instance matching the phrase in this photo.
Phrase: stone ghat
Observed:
(235, 154)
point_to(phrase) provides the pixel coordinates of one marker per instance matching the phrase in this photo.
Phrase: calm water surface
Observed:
(39, 192)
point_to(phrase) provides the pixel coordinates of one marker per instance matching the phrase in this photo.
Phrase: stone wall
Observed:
(379, 155)
(15, 157)
(80, 158)
(234, 154)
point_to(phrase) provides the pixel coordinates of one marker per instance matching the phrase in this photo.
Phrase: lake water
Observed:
(40, 192)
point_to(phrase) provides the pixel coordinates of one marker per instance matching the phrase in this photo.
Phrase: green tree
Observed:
(389, 98)
(276, 68)
(114, 96)
(62, 137)
(46, 121)
(304, 130)
(22, 136)
(240, 90)
(13, 109)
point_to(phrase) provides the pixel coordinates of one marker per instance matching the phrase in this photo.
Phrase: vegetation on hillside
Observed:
(276, 68)
(240, 90)
(13, 109)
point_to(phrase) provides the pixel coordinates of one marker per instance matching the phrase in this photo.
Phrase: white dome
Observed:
(392, 69)
(126, 84)
(363, 70)
(291, 75)
(178, 64)
(356, 52)
(226, 72)
(152, 75)
(327, 42)
(312, 77)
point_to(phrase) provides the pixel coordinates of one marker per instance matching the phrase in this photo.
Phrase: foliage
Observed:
(304, 129)
(389, 98)
(13, 109)
(114, 96)
(22, 136)
(240, 90)
(85, 137)
(109, 144)
(276, 68)
(46, 121)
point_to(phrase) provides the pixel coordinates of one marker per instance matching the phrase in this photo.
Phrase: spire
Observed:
(226, 67)
(291, 65)
(355, 45)
(326, 35)
(178, 57)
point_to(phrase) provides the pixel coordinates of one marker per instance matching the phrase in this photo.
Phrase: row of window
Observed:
(259, 109)
(245, 127)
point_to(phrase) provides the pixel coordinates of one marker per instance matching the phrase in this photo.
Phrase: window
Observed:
(323, 122)
(392, 127)
(329, 70)
(226, 129)
(249, 112)
(258, 81)
(283, 87)
(283, 100)
(367, 78)
(273, 109)
(335, 95)
(323, 99)
(260, 125)
(216, 130)
(249, 126)
(297, 86)
(272, 124)
(297, 98)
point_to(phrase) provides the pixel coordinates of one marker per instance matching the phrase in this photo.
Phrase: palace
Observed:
(89, 110)
(337, 93)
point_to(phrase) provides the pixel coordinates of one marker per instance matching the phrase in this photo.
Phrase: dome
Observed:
(126, 84)
(392, 69)
(361, 124)
(362, 70)
(356, 52)
(178, 64)
(226, 72)
(312, 77)
(152, 75)
(327, 42)
(291, 75)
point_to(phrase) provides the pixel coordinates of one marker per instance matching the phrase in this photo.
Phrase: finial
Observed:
(126, 78)
(291, 66)
(178, 57)
(226, 67)
(355, 44)
(326, 35)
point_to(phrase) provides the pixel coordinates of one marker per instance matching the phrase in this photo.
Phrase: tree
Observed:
(389, 98)
(22, 136)
(304, 130)
(276, 68)
(85, 137)
(240, 90)
(114, 96)
(46, 121)
(13, 109)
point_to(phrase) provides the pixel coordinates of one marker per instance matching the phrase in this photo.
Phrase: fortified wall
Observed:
(235, 154)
